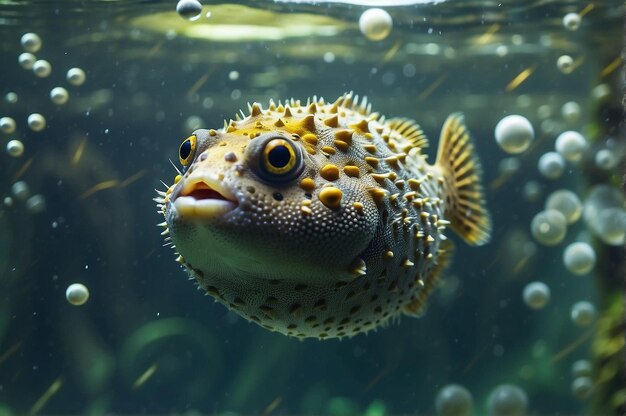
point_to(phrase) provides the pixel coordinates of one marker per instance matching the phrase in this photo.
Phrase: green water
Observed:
(147, 342)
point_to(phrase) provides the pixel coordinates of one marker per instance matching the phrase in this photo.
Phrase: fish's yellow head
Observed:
(271, 197)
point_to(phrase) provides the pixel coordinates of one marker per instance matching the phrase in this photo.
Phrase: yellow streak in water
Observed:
(520, 78)
(145, 376)
(23, 169)
(133, 178)
(610, 68)
(155, 49)
(99, 187)
(586, 10)
(10, 351)
(486, 37)
(200, 82)
(571, 346)
(392, 51)
(272, 406)
(52, 390)
(79, 152)
(578, 62)
(432, 87)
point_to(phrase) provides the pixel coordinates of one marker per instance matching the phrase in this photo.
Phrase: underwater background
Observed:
(76, 207)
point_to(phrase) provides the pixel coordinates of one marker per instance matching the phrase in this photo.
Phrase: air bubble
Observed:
(567, 203)
(31, 42)
(571, 145)
(189, 9)
(36, 122)
(579, 258)
(507, 400)
(565, 64)
(571, 21)
(549, 227)
(27, 60)
(453, 400)
(15, 148)
(77, 294)
(583, 313)
(514, 134)
(536, 295)
(375, 24)
(59, 95)
(76, 76)
(42, 68)
(7, 125)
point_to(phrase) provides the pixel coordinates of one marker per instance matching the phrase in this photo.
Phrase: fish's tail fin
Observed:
(465, 202)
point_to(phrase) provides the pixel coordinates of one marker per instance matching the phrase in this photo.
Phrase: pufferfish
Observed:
(322, 220)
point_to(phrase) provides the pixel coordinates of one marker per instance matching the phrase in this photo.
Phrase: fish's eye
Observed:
(279, 156)
(275, 159)
(187, 150)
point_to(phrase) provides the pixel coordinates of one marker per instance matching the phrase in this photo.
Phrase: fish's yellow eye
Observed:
(187, 150)
(279, 157)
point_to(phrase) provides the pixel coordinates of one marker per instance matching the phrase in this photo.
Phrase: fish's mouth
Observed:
(203, 196)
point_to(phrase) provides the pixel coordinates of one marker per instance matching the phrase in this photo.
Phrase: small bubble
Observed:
(31, 42)
(76, 76)
(11, 97)
(59, 95)
(7, 125)
(36, 122)
(77, 294)
(189, 9)
(15, 148)
(565, 64)
(42, 68)
(571, 21)
(27, 60)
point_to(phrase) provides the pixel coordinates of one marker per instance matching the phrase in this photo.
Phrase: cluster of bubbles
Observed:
(504, 400)
(604, 214)
(602, 210)
(582, 383)
(77, 293)
(31, 44)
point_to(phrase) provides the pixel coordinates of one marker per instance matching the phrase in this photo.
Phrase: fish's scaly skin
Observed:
(351, 238)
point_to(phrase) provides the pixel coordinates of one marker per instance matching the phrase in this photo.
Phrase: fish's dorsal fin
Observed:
(465, 207)
(410, 130)
(416, 307)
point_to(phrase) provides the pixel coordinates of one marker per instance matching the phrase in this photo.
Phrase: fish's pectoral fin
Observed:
(465, 202)
(417, 306)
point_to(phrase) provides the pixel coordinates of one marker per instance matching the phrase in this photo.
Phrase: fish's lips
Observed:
(204, 197)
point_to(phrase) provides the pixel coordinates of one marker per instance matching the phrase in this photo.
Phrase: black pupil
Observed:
(185, 149)
(279, 156)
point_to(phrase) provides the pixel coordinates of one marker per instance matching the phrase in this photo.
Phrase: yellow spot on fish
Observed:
(310, 139)
(307, 184)
(331, 197)
(352, 171)
(329, 172)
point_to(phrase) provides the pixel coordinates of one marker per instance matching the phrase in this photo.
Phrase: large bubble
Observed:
(514, 134)
(453, 400)
(579, 258)
(507, 400)
(549, 227)
(567, 203)
(604, 214)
